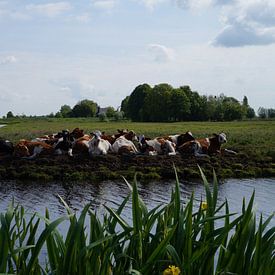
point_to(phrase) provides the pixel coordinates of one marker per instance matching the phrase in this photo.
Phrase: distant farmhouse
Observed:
(101, 111)
(104, 110)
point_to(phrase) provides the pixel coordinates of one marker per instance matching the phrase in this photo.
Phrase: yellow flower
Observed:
(204, 205)
(171, 270)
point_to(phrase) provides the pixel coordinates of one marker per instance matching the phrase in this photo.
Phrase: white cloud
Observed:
(201, 4)
(104, 4)
(151, 4)
(83, 18)
(250, 22)
(8, 59)
(236, 35)
(161, 53)
(50, 9)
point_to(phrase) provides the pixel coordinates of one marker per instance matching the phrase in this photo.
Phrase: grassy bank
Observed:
(171, 239)
(253, 140)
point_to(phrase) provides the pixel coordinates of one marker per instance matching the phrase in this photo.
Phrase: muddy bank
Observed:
(63, 168)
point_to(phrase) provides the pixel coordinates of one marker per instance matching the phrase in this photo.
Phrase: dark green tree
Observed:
(136, 102)
(271, 113)
(157, 103)
(198, 104)
(10, 114)
(262, 113)
(85, 108)
(110, 112)
(232, 110)
(66, 111)
(124, 106)
(250, 113)
(179, 105)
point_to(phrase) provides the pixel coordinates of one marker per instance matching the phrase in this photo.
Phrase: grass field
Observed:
(252, 137)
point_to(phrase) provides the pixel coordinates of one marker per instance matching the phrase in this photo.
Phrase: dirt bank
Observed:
(63, 168)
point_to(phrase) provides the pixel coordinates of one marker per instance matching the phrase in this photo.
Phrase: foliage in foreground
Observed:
(163, 240)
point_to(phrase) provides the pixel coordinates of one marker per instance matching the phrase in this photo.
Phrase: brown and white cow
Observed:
(124, 144)
(112, 138)
(205, 146)
(156, 146)
(31, 149)
(180, 139)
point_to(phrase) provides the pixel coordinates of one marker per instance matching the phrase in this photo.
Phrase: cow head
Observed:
(221, 138)
(76, 133)
(168, 147)
(6, 146)
(131, 135)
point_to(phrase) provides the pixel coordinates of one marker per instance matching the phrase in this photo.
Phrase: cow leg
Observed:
(36, 151)
(58, 152)
(229, 151)
(197, 154)
(70, 152)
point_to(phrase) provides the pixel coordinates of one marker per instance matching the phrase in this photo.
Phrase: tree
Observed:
(66, 111)
(102, 117)
(124, 106)
(118, 115)
(157, 102)
(262, 112)
(136, 102)
(250, 113)
(85, 108)
(245, 101)
(232, 110)
(110, 112)
(10, 114)
(271, 113)
(58, 115)
(198, 104)
(179, 105)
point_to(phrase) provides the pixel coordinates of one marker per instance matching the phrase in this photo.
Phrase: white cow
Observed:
(123, 145)
(99, 146)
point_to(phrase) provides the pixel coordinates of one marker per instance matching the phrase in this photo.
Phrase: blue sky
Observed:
(59, 52)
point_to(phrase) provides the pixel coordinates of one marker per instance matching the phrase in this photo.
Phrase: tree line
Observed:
(165, 103)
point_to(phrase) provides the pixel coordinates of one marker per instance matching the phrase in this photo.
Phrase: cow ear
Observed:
(103, 133)
(215, 135)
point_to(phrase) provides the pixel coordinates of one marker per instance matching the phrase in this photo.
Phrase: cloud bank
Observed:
(8, 60)
(49, 9)
(250, 22)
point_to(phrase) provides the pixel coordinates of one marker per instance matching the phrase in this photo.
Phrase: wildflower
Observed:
(171, 270)
(204, 205)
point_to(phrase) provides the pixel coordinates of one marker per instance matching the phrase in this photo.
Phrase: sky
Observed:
(60, 52)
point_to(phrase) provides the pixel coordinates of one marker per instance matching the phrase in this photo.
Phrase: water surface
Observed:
(35, 197)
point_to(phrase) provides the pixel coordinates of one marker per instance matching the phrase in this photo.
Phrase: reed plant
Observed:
(175, 238)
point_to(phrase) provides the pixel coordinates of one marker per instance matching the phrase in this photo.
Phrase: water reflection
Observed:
(35, 197)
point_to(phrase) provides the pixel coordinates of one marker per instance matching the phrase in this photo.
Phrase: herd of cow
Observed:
(123, 142)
